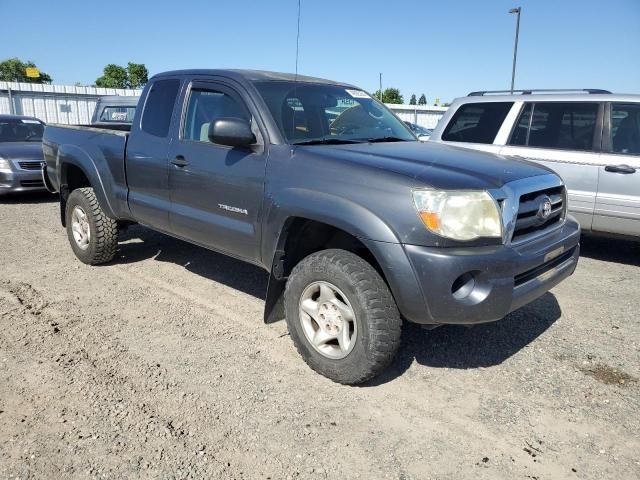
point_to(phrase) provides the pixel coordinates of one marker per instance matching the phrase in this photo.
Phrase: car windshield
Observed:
(311, 113)
(21, 130)
(118, 114)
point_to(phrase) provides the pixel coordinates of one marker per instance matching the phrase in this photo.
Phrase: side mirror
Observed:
(231, 131)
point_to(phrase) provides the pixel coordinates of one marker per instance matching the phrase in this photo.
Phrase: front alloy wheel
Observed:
(327, 319)
(341, 316)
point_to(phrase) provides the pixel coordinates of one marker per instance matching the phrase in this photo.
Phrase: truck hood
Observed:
(21, 150)
(436, 165)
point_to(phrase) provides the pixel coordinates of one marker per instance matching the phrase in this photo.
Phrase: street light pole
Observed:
(515, 47)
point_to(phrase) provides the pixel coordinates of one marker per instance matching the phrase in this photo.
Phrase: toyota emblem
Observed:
(544, 210)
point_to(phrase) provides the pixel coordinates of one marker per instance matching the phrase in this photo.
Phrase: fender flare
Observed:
(339, 212)
(322, 207)
(86, 162)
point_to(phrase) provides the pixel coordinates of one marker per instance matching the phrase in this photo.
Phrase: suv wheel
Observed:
(341, 316)
(93, 236)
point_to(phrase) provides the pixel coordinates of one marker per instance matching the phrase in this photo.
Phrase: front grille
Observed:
(33, 165)
(530, 220)
(31, 183)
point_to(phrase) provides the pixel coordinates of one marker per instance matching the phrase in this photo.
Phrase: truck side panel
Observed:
(98, 154)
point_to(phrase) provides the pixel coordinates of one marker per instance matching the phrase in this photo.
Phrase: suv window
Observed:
(158, 108)
(557, 125)
(625, 129)
(206, 106)
(477, 122)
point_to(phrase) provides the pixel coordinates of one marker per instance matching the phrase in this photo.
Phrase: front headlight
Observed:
(459, 214)
(4, 164)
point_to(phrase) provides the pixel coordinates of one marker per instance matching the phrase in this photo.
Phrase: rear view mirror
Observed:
(231, 131)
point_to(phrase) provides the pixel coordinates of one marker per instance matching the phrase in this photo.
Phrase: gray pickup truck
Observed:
(360, 225)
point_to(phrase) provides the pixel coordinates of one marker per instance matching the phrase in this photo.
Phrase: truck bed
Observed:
(97, 152)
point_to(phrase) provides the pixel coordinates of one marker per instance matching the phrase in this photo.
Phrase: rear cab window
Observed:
(477, 122)
(158, 108)
(557, 125)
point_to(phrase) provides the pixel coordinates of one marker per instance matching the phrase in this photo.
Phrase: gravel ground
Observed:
(159, 366)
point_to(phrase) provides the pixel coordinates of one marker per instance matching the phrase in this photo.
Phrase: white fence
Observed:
(65, 104)
(424, 115)
(71, 105)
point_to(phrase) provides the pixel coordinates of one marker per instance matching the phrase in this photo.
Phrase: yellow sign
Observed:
(32, 72)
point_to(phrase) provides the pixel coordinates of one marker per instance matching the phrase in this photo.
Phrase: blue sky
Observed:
(441, 48)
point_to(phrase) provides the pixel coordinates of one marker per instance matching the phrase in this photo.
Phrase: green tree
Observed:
(138, 75)
(15, 70)
(389, 95)
(422, 100)
(412, 101)
(135, 75)
(113, 76)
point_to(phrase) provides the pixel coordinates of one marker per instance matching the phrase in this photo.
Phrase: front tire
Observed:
(92, 234)
(341, 316)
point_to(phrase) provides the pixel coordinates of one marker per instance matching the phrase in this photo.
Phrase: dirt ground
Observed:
(159, 366)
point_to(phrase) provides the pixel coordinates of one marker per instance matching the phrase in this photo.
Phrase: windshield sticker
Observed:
(357, 93)
(26, 120)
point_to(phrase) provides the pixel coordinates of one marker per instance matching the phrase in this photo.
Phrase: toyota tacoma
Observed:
(361, 226)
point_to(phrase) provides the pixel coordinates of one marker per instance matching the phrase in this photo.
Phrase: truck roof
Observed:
(252, 75)
(127, 100)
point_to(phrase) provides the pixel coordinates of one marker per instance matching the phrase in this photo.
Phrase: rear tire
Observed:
(350, 299)
(92, 234)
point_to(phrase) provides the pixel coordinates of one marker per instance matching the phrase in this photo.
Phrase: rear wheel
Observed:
(341, 316)
(92, 234)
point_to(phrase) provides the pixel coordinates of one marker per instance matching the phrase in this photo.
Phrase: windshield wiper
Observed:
(387, 139)
(326, 141)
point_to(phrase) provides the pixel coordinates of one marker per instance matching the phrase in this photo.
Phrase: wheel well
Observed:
(302, 237)
(72, 178)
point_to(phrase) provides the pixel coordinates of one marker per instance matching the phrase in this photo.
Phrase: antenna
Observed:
(295, 81)
(298, 41)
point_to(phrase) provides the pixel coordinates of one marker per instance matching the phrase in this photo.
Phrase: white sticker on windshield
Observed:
(357, 93)
(26, 120)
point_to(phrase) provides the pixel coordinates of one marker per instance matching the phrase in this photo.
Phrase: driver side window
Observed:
(204, 108)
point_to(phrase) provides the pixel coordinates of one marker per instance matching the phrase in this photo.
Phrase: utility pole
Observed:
(381, 97)
(516, 10)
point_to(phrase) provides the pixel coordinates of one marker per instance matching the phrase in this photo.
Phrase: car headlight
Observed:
(459, 214)
(4, 163)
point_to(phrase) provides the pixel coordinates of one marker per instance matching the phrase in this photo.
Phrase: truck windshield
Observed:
(311, 113)
(21, 130)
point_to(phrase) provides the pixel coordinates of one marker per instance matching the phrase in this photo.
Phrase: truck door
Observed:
(618, 200)
(216, 191)
(147, 162)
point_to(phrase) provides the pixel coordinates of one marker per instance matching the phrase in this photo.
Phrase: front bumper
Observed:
(21, 181)
(481, 284)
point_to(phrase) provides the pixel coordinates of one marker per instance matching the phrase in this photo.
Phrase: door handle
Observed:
(179, 161)
(620, 169)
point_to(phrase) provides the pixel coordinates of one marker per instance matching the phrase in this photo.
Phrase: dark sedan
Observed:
(20, 154)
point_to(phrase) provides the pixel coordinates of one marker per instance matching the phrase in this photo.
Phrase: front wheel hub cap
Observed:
(328, 320)
(80, 227)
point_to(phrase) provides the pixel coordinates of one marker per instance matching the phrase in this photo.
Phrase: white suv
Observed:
(591, 139)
